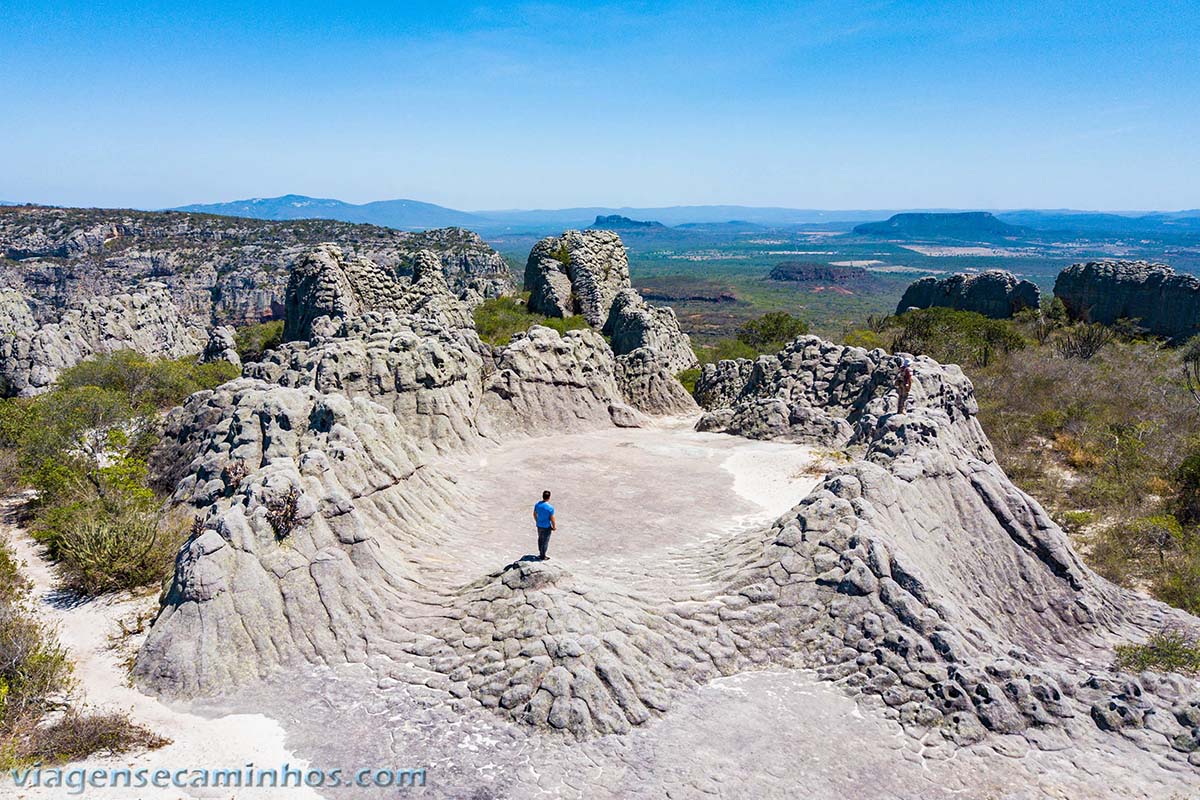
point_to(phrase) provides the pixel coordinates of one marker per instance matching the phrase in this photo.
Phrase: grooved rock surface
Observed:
(994, 293)
(327, 283)
(634, 323)
(338, 491)
(647, 381)
(579, 272)
(1164, 302)
(33, 355)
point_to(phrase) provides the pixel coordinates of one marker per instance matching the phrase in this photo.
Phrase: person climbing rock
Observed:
(543, 516)
(903, 384)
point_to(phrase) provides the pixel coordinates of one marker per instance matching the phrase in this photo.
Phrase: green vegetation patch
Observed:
(497, 319)
(1168, 651)
(83, 448)
(252, 341)
(768, 333)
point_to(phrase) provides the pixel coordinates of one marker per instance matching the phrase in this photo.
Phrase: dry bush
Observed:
(76, 736)
(282, 512)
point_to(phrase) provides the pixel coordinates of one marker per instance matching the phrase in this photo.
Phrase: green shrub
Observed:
(688, 378)
(1178, 581)
(146, 382)
(128, 549)
(722, 349)
(951, 336)
(1168, 651)
(252, 341)
(34, 671)
(772, 331)
(864, 338)
(499, 318)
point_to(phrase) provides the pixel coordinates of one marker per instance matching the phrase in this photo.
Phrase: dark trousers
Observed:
(544, 540)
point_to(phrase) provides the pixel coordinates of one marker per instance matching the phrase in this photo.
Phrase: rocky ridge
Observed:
(222, 270)
(993, 293)
(865, 555)
(32, 355)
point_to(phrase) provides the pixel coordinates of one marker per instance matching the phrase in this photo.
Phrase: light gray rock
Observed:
(648, 383)
(32, 355)
(222, 346)
(916, 576)
(579, 272)
(634, 323)
(221, 270)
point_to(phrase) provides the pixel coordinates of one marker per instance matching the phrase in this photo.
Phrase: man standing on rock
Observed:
(903, 384)
(543, 516)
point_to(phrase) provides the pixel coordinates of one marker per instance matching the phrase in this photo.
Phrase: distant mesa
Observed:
(817, 272)
(1164, 302)
(969, 226)
(616, 222)
(995, 293)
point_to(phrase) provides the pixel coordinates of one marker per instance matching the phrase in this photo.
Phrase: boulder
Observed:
(579, 272)
(648, 383)
(993, 293)
(1164, 302)
(221, 346)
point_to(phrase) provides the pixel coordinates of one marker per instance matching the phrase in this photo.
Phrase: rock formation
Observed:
(994, 293)
(222, 346)
(815, 272)
(634, 323)
(647, 381)
(342, 425)
(222, 270)
(32, 355)
(1164, 302)
(916, 573)
(580, 272)
(863, 562)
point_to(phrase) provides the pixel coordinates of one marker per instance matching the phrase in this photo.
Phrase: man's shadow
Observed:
(522, 560)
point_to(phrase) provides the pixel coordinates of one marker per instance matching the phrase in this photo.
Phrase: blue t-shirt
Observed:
(543, 511)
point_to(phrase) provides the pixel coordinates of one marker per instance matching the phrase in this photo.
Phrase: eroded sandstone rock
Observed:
(995, 293)
(634, 323)
(1164, 302)
(579, 272)
(33, 355)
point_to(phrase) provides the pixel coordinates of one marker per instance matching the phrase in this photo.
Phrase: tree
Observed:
(773, 328)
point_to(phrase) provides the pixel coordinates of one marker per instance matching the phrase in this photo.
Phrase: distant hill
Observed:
(399, 214)
(616, 222)
(975, 226)
(1166, 222)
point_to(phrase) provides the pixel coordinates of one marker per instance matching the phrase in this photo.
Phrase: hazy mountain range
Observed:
(416, 215)
(406, 214)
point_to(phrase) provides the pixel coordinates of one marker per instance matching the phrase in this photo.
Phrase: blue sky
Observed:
(479, 106)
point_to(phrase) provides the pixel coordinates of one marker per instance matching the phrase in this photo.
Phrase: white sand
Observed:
(85, 630)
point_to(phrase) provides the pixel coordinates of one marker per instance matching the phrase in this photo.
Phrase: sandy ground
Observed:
(87, 630)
